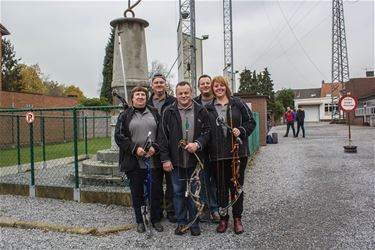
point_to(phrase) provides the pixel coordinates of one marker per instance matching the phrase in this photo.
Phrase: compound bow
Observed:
(195, 177)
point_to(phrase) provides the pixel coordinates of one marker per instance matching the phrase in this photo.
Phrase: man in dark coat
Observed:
(160, 100)
(184, 131)
(300, 117)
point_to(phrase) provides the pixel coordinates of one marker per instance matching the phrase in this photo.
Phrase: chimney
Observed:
(369, 73)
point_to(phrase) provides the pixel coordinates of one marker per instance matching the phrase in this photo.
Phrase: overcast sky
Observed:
(292, 38)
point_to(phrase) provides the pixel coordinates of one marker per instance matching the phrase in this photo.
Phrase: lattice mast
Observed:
(228, 43)
(340, 65)
(187, 35)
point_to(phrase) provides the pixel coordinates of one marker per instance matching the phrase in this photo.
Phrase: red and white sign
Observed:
(348, 103)
(30, 117)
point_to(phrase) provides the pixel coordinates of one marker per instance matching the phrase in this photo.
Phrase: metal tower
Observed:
(340, 65)
(186, 43)
(228, 43)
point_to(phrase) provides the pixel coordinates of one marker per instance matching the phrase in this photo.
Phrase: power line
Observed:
(298, 22)
(299, 42)
(284, 52)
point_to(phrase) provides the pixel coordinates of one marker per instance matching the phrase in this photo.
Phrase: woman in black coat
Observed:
(137, 125)
(231, 123)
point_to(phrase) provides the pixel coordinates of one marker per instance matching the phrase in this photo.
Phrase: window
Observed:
(329, 108)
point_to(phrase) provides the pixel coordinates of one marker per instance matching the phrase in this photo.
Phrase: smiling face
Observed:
(158, 86)
(219, 89)
(139, 99)
(205, 86)
(183, 94)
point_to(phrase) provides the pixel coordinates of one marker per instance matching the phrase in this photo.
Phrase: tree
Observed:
(258, 84)
(285, 97)
(10, 73)
(54, 88)
(73, 91)
(30, 81)
(106, 89)
(248, 83)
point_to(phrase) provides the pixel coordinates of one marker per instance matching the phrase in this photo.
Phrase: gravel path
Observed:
(302, 193)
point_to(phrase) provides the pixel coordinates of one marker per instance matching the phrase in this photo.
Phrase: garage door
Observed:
(311, 113)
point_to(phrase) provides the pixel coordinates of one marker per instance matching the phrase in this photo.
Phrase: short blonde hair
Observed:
(222, 80)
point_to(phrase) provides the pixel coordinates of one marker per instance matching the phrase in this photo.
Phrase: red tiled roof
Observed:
(327, 89)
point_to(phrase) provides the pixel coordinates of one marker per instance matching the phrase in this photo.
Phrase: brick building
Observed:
(58, 124)
(258, 104)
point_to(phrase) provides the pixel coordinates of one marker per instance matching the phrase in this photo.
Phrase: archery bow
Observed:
(194, 195)
(146, 208)
(235, 166)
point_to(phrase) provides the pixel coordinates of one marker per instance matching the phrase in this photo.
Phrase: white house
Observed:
(317, 102)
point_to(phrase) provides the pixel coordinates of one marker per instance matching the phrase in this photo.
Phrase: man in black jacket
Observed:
(208, 192)
(300, 118)
(160, 100)
(184, 121)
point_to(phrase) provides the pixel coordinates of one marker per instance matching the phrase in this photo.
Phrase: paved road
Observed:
(302, 193)
(308, 193)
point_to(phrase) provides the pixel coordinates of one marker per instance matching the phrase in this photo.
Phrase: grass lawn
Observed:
(8, 157)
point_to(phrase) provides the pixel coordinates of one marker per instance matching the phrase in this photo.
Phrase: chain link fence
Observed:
(59, 148)
(69, 148)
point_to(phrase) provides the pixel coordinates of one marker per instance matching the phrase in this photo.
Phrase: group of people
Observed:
(291, 116)
(199, 144)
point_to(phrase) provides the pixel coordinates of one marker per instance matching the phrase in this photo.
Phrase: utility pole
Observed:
(228, 43)
(340, 65)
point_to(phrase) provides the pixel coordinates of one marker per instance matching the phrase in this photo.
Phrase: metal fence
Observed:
(254, 138)
(67, 148)
(54, 149)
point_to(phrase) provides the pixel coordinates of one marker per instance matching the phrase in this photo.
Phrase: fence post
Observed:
(75, 143)
(43, 141)
(32, 170)
(18, 145)
(64, 126)
(93, 124)
(85, 136)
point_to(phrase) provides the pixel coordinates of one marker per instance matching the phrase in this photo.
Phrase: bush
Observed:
(94, 102)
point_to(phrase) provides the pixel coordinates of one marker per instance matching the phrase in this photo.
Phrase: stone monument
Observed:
(129, 70)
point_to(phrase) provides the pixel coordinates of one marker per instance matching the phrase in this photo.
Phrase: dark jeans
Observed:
(288, 125)
(166, 201)
(137, 179)
(300, 125)
(208, 189)
(224, 185)
(185, 207)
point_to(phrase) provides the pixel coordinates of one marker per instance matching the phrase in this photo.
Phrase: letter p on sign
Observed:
(29, 117)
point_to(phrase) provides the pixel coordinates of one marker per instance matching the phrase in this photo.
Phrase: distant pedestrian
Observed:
(289, 117)
(300, 118)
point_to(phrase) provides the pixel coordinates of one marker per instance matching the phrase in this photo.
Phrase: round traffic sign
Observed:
(29, 117)
(348, 103)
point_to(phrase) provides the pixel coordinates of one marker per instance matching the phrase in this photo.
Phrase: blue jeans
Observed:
(185, 209)
(208, 191)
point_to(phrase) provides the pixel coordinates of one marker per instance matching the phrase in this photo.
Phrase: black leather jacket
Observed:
(241, 116)
(170, 133)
